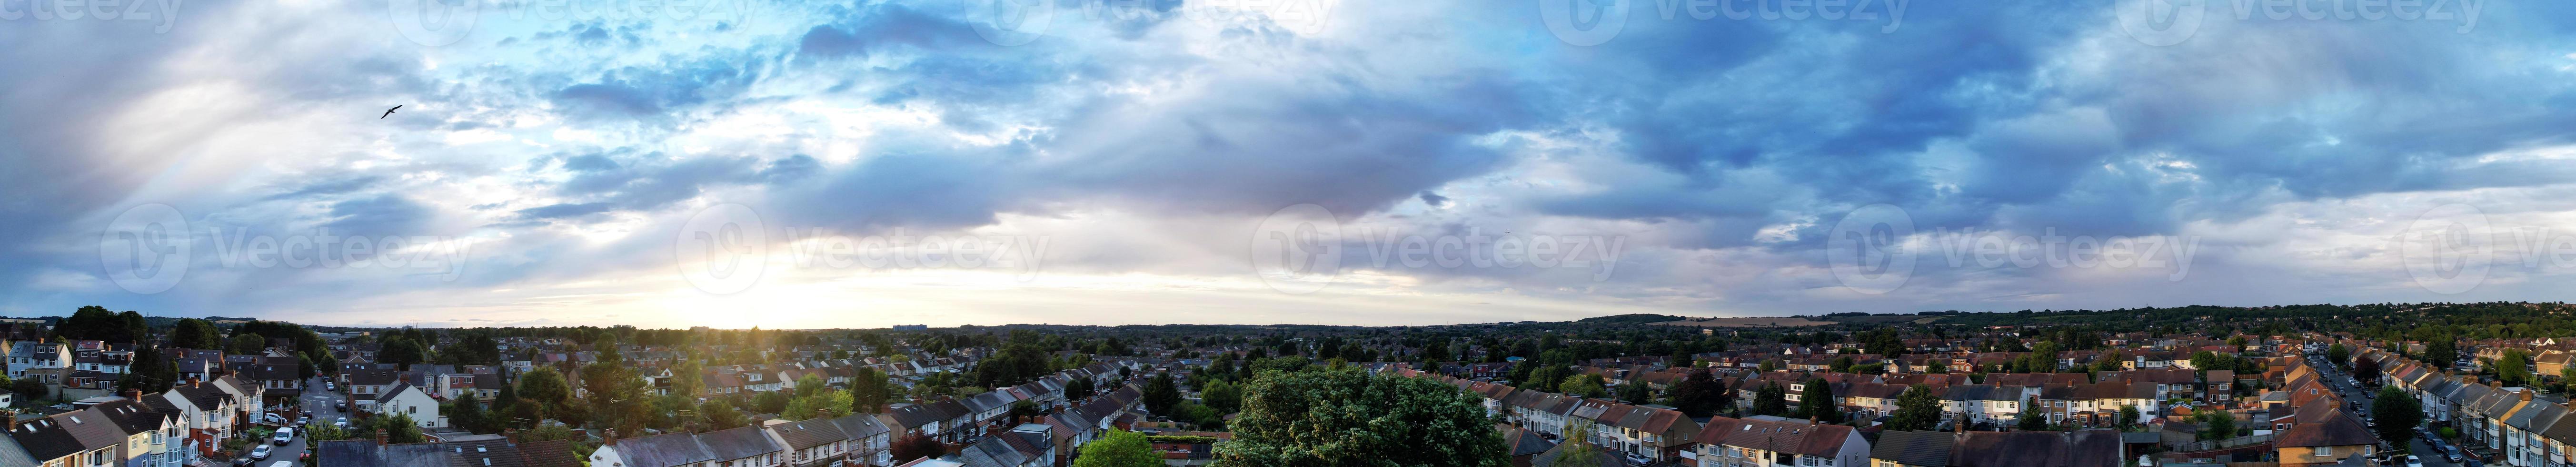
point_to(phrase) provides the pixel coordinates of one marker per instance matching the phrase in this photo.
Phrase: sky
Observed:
(739, 163)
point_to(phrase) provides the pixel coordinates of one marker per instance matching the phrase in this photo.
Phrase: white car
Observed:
(343, 422)
(259, 453)
(284, 435)
(272, 417)
(2412, 461)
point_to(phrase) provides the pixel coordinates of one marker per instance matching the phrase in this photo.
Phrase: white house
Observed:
(406, 399)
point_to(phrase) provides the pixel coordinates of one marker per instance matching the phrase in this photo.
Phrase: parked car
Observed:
(1634, 459)
(342, 423)
(2412, 461)
(259, 453)
(2472, 462)
(272, 417)
(282, 464)
(2451, 453)
(284, 435)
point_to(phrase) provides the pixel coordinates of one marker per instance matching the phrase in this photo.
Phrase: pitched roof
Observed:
(803, 434)
(2089, 448)
(664, 451)
(1926, 448)
(738, 443)
(2335, 428)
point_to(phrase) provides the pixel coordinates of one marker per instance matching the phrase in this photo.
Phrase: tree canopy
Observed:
(1343, 417)
(1119, 448)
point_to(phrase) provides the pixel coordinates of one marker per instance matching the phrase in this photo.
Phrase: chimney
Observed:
(384, 437)
(511, 434)
(135, 394)
(610, 437)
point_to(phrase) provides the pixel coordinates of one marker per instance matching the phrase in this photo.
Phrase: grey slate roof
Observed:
(803, 434)
(664, 450)
(739, 443)
(1925, 448)
(860, 426)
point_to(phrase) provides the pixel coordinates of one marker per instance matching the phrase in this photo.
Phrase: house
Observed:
(1912, 449)
(2087, 448)
(810, 441)
(867, 440)
(2335, 436)
(488, 452)
(125, 432)
(407, 399)
(1763, 441)
(31, 356)
(748, 446)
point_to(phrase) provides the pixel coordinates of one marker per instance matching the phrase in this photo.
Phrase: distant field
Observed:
(1791, 322)
(1886, 319)
(1747, 322)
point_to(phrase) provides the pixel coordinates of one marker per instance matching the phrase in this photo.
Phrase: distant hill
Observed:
(1640, 318)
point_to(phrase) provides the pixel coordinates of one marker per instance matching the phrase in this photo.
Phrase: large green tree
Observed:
(2441, 352)
(246, 344)
(1700, 395)
(1583, 385)
(1343, 417)
(1918, 408)
(1162, 394)
(2396, 413)
(1817, 401)
(546, 387)
(869, 390)
(1771, 400)
(2339, 355)
(2032, 419)
(197, 334)
(1222, 396)
(1120, 448)
(2216, 424)
(402, 352)
(2514, 368)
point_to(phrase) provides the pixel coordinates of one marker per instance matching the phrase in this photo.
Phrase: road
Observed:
(321, 403)
(2414, 445)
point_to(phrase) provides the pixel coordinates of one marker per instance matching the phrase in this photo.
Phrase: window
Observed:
(2323, 451)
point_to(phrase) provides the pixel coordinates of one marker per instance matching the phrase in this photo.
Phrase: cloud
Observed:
(1152, 143)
